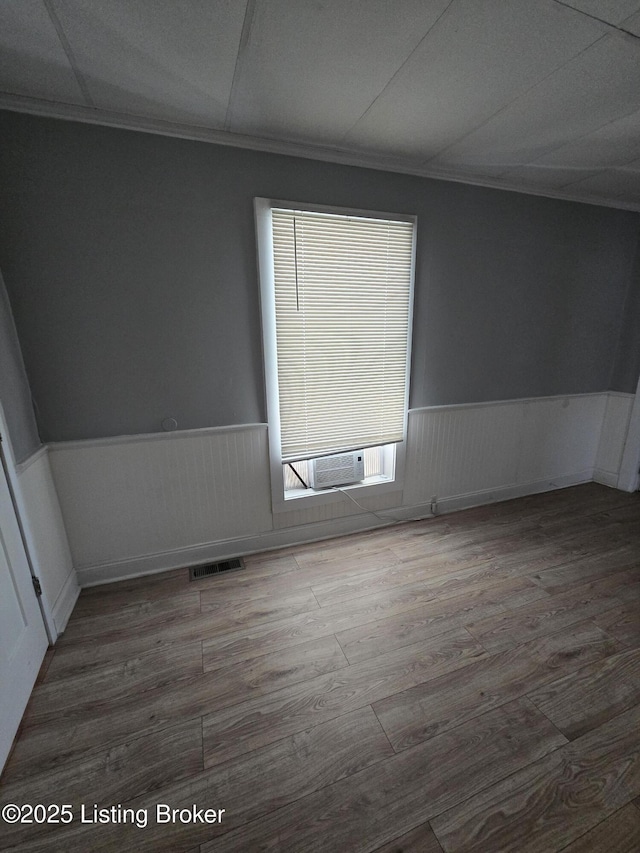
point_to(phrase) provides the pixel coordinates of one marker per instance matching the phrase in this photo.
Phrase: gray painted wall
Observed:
(130, 261)
(14, 386)
(627, 366)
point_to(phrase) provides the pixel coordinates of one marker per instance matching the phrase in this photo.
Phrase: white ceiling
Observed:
(535, 95)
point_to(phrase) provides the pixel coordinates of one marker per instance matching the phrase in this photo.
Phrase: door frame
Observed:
(22, 516)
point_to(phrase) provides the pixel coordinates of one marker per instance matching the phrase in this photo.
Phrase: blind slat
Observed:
(342, 291)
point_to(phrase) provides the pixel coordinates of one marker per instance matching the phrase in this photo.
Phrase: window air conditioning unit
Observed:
(341, 469)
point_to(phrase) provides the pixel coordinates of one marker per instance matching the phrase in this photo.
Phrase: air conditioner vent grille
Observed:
(210, 569)
(341, 469)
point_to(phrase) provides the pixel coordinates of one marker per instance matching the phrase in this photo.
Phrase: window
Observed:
(336, 293)
(379, 467)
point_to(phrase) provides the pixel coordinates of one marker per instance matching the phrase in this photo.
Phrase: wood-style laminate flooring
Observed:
(465, 683)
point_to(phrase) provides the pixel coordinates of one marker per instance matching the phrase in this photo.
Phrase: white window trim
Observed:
(264, 239)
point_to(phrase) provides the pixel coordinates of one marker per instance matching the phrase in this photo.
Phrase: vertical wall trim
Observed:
(629, 479)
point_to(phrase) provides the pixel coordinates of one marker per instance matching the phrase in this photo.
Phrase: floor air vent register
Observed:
(211, 569)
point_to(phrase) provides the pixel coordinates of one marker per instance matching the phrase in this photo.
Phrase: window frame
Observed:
(265, 259)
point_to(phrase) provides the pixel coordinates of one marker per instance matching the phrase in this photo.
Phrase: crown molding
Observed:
(340, 156)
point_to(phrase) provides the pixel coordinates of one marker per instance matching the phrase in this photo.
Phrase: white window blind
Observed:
(342, 297)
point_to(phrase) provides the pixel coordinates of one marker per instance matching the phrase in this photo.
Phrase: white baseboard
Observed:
(605, 478)
(223, 549)
(65, 602)
(508, 493)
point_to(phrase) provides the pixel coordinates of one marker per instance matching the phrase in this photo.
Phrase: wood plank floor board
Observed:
(247, 788)
(375, 638)
(249, 642)
(439, 569)
(238, 729)
(590, 696)
(468, 581)
(372, 807)
(360, 574)
(79, 658)
(597, 497)
(606, 530)
(274, 670)
(548, 615)
(340, 564)
(125, 772)
(76, 658)
(83, 657)
(239, 643)
(418, 840)
(459, 631)
(370, 577)
(553, 801)
(242, 587)
(235, 614)
(619, 833)
(630, 592)
(155, 615)
(517, 557)
(107, 685)
(587, 499)
(44, 666)
(422, 548)
(578, 537)
(548, 550)
(611, 522)
(600, 541)
(426, 710)
(262, 576)
(401, 573)
(108, 598)
(283, 772)
(622, 623)
(239, 587)
(332, 551)
(591, 568)
(82, 730)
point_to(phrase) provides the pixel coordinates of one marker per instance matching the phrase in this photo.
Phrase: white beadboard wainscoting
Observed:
(140, 504)
(136, 504)
(46, 539)
(615, 425)
(494, 451)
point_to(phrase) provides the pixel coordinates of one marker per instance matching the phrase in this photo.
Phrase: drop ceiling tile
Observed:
(613, 11)
(614, 144)
(32, 59)
(467, 171)
(156, 58)
(545, 177)
(599, 86)
(477, 59)
(632, 24)
(311, 68)
(614, 183)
